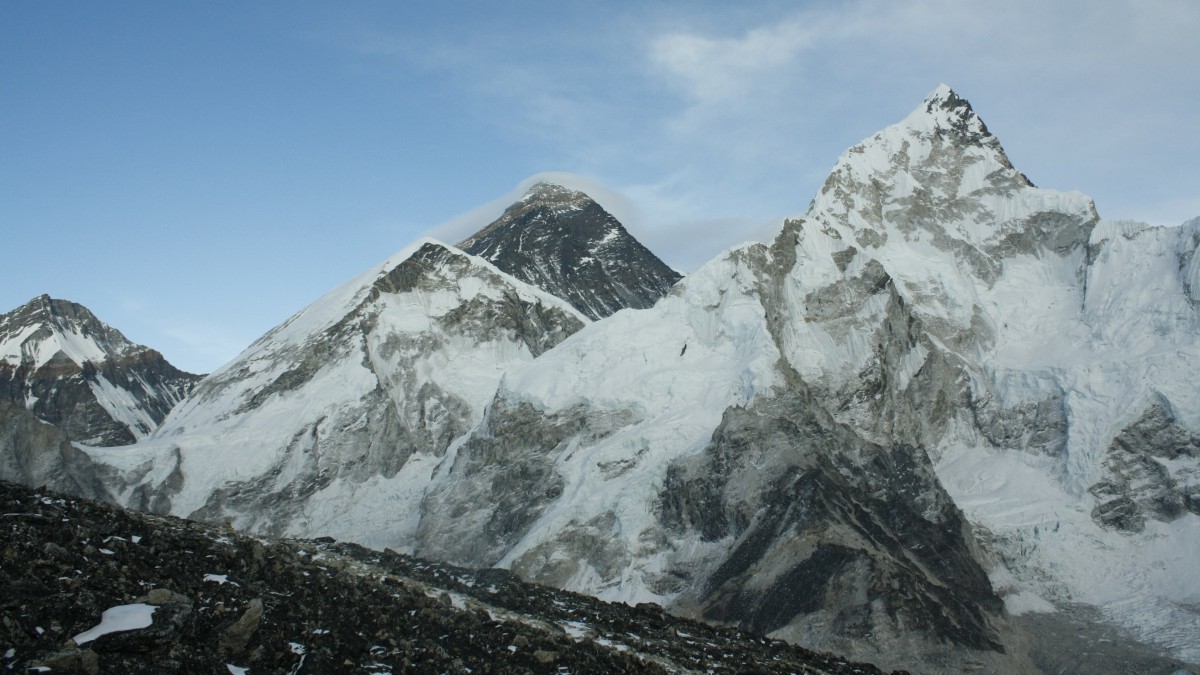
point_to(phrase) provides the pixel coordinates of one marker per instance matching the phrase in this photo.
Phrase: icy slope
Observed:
(563, 242)
(590, 427)
(73, 371)
(1068, 351)
(334, 421)
(1109, 516)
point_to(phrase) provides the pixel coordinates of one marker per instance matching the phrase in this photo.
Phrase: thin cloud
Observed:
(714, 68)
(1067, 83)
(464, 225)
(201, 346)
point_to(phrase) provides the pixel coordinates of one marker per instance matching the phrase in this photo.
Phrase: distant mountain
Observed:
(73, 371)
(563, 242)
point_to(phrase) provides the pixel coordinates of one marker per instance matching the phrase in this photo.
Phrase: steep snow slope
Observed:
(1069, 437)
(563, 242)
(334, 421)
(73, 371)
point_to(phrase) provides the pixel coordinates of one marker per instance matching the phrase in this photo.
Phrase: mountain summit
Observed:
(946, 110)
(563, 242)
(78, 373)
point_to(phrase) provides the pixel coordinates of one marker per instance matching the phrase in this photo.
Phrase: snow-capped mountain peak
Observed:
(936, 202)
(946, 111)
(353, 400)
(45, 329)
(74, 371)
(942, 147)
(1057, 344)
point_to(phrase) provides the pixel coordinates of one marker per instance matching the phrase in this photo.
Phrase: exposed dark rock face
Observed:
(1141, 480)
(83, 376)
(563, 242)
(35, 453)
(220, 599)
(843, 548)
(503, 479)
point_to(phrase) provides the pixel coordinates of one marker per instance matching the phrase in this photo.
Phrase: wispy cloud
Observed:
(469, 222)
(708, 68)
(203, 346)
(716, 127)
(1083, 93)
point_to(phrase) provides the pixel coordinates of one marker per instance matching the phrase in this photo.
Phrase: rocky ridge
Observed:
(563, 242)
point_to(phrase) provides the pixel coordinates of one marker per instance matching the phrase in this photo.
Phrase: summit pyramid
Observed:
(565, 243)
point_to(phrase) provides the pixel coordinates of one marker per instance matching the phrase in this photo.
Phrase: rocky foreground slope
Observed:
(222, 602)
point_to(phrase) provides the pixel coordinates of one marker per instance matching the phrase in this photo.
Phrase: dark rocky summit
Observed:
(563, 242)
(223, 602)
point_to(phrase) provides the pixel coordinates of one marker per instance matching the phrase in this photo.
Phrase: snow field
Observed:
(635, 362)
(1057, 554)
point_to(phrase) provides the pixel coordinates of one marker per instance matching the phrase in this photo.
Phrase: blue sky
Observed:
(197, 172)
